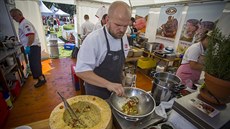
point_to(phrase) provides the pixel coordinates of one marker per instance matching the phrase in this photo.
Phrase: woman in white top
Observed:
(193, 61)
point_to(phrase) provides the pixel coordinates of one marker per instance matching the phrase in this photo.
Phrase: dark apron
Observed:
(110, 69)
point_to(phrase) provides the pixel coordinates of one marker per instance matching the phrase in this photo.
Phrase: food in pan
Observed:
(131, 106)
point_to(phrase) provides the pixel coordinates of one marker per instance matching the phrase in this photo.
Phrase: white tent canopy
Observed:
(53, 9)
(61, 13)
(44, 10)
(58, 12)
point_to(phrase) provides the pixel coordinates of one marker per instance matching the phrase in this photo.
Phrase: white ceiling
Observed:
(142, 2)
(61, 1)
(133, 2)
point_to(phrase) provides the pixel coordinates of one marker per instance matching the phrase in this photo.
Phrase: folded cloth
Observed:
(27, 50)
(160, 109)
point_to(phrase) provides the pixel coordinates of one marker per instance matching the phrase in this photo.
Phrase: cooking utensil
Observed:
(68, 108)
(146, 104)
(72, 114)
(165, 86)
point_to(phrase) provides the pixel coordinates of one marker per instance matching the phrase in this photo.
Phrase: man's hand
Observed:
(27, 50)
(117, 88)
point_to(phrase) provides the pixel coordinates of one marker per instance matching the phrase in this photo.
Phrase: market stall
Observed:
(156, 53)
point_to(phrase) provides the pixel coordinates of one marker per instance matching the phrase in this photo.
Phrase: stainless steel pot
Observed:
(146, 104)
(164, 85)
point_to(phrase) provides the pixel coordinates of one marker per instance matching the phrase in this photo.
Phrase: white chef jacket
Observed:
(94, 49)
(100, 12)
(97, 26)
(86, 28)
(193, 53)
(26, 28)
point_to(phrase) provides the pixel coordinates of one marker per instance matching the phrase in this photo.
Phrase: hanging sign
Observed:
(168, 23)
(141, 19)
(200, 18)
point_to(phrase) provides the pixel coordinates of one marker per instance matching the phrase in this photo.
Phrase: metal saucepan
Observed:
(146, 104)
(165, 86)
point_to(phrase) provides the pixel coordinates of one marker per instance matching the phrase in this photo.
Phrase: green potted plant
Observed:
(217, 68)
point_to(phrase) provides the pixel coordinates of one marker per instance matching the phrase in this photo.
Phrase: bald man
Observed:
(102, 55)
(29, 38)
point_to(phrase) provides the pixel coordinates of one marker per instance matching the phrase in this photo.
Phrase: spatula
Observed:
(68, 108)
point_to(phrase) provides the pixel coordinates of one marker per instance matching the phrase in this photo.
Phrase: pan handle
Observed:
(131, 119)
(177, 88)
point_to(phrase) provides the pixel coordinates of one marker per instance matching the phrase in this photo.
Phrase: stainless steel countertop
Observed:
(121, 123)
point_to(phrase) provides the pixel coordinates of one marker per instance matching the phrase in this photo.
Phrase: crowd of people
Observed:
(53, 23)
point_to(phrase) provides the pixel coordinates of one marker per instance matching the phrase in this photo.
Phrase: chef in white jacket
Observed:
(86, 27)
(102, 56)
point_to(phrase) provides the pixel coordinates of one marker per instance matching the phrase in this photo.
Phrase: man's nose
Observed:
(123, 28)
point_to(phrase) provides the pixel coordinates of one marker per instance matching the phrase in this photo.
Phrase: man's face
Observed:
(104, 21)
(16, 16)
(205, 42)
(118, 26)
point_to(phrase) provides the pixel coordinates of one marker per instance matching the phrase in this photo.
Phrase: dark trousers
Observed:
(35, 61)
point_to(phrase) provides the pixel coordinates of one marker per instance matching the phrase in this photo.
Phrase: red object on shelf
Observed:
(15, 90)
(4, 112)
(75, 79)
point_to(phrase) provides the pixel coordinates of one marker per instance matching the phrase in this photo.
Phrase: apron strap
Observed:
(107, 41)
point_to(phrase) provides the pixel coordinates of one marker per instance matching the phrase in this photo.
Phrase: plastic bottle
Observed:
(8, 101)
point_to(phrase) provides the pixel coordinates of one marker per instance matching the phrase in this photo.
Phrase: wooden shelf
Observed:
(6, 70)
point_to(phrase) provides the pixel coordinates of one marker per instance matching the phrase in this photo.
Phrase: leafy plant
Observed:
(217, 60)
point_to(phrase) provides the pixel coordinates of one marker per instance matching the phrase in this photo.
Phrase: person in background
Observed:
(86, 27)
(102, 55)
(51, 20)
(71, 38)
(29, 38)
(101, 23)
(140, 24)
(203, 26)
(131, 31)
(101, 11)
(193, 61)
(55, 25)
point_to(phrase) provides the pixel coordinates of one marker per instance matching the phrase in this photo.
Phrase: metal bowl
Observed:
(146, 104)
